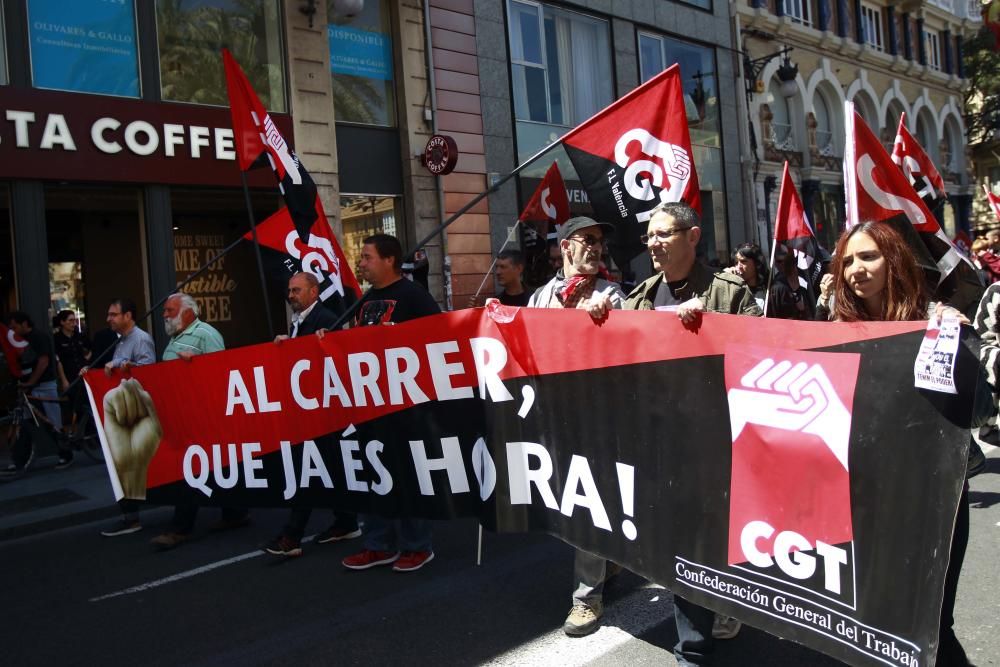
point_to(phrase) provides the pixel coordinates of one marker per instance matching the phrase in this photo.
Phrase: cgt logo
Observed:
(319, 259)
(790, 502)
(645, 179)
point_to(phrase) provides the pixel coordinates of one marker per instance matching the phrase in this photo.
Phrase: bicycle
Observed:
(25, 420)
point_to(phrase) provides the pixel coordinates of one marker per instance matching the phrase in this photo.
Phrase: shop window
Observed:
(229, 292)
(84, 46)
(871, 23)
(362, 216)
(96, 250)
(361, 64)
(701, 102)
(191, 35)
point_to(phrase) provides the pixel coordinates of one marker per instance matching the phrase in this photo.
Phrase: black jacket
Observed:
(320, 317)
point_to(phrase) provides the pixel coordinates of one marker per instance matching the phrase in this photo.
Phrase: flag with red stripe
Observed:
(634, 155)
(877, 190)
(917, 166)
(549, 204)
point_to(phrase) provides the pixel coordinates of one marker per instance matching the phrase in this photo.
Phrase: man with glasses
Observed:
(686, 286)
(578, 284)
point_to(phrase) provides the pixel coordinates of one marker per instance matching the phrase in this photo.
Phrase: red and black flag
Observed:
(13, 345)
(994, 202)
(634, 155)
(917, 166)
(550, 204)
(298, 237)
(991, 21)
(877, 190)
(793, 234)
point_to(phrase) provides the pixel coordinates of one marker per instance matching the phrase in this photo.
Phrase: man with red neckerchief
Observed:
(579, 284)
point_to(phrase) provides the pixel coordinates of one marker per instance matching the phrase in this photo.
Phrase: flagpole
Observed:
(486, 276)
(260, 261)
(347, 314)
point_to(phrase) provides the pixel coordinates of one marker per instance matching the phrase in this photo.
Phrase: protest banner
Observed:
(786, 473)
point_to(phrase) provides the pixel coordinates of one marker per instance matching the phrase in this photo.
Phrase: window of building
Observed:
(781, 134)
(560, 64)
(933, 48)
(361, 65)
(704, 4)
(927, 135)
(824, 124)
(871, 23)
(701, 101)
(86, 46)
(798, 11)
(191, 35)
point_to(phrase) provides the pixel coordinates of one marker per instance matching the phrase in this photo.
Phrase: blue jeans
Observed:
(383, 534)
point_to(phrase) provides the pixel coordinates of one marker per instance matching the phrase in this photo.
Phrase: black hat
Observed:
(581, 222)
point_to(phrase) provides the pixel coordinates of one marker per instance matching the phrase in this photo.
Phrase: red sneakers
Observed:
(413, 560)
(368, 558)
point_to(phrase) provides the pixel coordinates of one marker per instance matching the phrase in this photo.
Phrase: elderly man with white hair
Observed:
(189, 337)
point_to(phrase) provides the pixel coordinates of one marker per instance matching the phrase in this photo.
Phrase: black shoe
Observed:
(13, 471)
(335, 533)
(284, 545)
(65, 461)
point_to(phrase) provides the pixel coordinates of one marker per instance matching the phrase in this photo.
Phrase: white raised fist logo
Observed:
(792, 397)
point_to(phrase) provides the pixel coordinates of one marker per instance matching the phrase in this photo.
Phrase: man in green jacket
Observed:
(686, 286)
(681, 283)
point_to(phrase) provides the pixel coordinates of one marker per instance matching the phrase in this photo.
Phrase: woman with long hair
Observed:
(876, 278)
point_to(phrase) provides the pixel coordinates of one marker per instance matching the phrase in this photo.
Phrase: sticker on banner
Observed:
(934, 368)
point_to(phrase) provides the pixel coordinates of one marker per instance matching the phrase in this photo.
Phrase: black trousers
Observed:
(950, 651)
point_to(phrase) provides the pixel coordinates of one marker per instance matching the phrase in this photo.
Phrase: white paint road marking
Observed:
(622, 622)
(186, 574)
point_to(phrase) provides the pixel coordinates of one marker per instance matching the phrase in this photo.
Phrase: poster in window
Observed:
(360, 53)
(85, 46)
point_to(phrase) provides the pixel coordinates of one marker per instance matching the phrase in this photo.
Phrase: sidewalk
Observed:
(45, 499)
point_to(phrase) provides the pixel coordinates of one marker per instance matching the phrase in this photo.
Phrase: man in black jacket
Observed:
(309, 315)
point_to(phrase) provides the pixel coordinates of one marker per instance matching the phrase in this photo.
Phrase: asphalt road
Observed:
(72, 597)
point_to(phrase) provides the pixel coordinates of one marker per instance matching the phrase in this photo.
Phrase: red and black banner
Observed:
(786, 473)
(298, 237)
(917, 166)
(634, 155)
(994, 202)
(877, 190)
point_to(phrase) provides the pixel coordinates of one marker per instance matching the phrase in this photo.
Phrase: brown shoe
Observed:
(168, 541)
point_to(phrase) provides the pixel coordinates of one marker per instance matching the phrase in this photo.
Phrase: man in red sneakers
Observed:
(403, 543)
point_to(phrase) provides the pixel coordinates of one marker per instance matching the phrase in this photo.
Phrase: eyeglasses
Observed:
(588, 240)
(662, 236)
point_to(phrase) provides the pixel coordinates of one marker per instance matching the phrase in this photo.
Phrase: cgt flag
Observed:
(549, 204)
(793, 231)
(994, 202)
(298, 237)
(876, 190)
(634, 155)
(919, 169)
(13, 345)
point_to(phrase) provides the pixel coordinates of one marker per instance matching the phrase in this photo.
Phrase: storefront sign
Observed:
(66, 136)
(441, 154)
(86, 46)
(360, 53)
